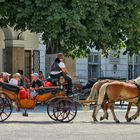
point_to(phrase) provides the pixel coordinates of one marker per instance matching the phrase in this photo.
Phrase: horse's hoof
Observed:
(117, 121)
(101, 118)
(95, 121)
(129, 119)
(107, 117)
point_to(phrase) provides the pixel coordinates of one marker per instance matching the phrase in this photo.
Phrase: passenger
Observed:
(27, 81)
(35, 85)
(59, 69)
(16, 81)
(21, 77)
(4, 77)
(41, 76)
(1, 77)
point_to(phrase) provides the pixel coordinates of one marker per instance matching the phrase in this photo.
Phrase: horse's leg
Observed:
(105, 108)
(136, 114)
(100, 101)
(127, 112)
(93, 114)
(113, 113)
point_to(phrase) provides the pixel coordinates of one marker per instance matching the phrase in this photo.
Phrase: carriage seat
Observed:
(53, 81)
(10, 87)
(53, 90)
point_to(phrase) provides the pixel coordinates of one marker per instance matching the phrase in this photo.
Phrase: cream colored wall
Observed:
(27, 39)
(18, 40)
(30, 41)
(2, 46)
(10, 33)
(71, 66)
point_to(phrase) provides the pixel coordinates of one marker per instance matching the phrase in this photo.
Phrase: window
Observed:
(133, 59)
(130, 59)
(93, 58)
(93, 65)
(136, 60)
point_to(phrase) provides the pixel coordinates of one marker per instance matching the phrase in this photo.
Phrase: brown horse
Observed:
(95, 89)
(110, 93)
(94, 96)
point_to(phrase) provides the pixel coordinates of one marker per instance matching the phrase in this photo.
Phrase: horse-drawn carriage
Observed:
(60, 107)
(63, 108)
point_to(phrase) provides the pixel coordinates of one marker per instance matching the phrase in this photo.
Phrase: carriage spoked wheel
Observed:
(50, 109)
(5, 108)
(65, 110)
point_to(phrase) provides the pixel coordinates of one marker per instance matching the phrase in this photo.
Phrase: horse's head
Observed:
(137, 80)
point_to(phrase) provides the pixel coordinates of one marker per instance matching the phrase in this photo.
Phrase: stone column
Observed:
(2, 46)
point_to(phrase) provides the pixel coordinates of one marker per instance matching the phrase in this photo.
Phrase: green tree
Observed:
(75, 26)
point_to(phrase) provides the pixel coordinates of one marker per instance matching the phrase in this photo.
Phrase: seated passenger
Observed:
(16, 81)
(4, 77)
(41, 76)
(35, 85)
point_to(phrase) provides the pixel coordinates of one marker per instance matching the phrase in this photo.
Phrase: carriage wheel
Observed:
(65, 110)
(5, 108)
(50, 108)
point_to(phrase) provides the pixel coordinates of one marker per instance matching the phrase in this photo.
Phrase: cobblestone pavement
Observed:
(38, 126)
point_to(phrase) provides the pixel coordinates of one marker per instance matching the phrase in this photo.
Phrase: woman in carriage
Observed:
(16, 81)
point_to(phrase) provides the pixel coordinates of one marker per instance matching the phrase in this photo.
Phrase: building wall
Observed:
(15, 43)
(71, 66)
(2, 46)
(43, 66)
(108, 67)
(82, 70)
(42, 49)
(31, 41)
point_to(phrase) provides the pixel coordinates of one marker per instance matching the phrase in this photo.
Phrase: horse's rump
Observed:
(95, 89)
(117, 91)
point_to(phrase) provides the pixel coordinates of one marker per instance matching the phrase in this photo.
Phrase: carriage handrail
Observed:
(10, 87)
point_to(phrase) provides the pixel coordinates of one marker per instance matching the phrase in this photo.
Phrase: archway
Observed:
(13, 54)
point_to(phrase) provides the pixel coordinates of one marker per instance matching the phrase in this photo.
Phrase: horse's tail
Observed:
(101, 96)
(93, 92)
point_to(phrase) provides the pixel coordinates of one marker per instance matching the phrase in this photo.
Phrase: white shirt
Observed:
(13, 82)
(61, 65)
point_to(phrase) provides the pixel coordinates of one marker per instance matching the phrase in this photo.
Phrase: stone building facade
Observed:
(98, 66)
(19, 50)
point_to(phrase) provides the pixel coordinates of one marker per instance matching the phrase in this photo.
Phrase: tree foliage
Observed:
(75, 26)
